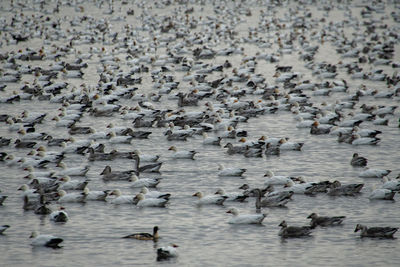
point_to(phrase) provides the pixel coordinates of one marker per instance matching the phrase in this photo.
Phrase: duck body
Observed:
(324, 221)
(141, 201)
(380, 232)
(145, 236)
(165, 253)
(382, 193)
(374, 173)
(245, 218)
(230, 171)
(45, 240)
(59, 216)
(209, 199)
(293, 231)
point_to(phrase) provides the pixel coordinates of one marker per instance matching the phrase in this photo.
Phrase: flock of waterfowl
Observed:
(172, 79)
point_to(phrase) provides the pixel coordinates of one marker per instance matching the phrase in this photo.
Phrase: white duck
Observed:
(358, 140)
(302, 188)
(147, 182)
(245, 218)
(187, 154)
(167, 252)
(68, 184)
(222, 171)
(153, 194)
(209, 199)
(119, 198)
(59, 215)
(146, 158)
(273, 179)
(382, 193)
(95, 195)
(30, 193)
(373, 173)
(45, 240)
(141, 201)
(393, 185)
(71, 197)
(286, 145)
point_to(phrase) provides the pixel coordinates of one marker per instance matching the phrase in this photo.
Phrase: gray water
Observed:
(92, 236)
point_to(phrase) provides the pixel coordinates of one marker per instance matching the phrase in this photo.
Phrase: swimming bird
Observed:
(222, 171)
(141, 201)
(382, 193)
(273, 199)
(45, 240)
(95, 195)
(232, 196)
(209, 199)
(119, 198)
(165, 253)
(393, 185)
(3, 228)
(152, 167)
(68, 184)
(71, 197)
(358, 161)
(109, 175)
(59, 215)
(147, 182)
(153, 194)
(293, 231)
(374, 173)
(337, 189)
(188, 154)
(245, 218)
(145, 236)
(381, 232)
(324, 220)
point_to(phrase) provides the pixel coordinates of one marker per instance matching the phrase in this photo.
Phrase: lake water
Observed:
(92, 236)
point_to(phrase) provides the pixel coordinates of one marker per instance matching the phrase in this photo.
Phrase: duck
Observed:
(337, 189)
(324, 220)
(357, 140)
(232, 196)
(285, 145)
(120, 139)
(393, 185)
(209, 199)
(109, 175)
(59, 215)
(381, 232)
(274, 199)
(152, 167)
(71, 197)
(209, 140)
(188, 154)
(153, 194)
(2, 199)
(374, 173)
(119, 198)
(302, 188)
(222, 171)
(45, 240)
(141, 201)
(165, 253)
(145, 236)
(293, 231)
(245, 218)
(382, 193)
(358, 161)
(147, 182)
(146, 158)
(273, 179)
(3, 228)
(95, 195)
(68, 184)
(30, 192)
